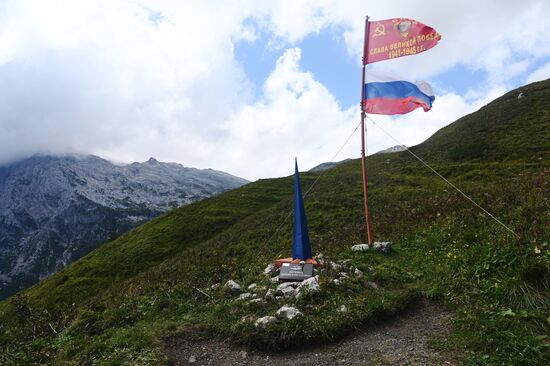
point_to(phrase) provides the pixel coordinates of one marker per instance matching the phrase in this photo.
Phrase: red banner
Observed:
(392, 38)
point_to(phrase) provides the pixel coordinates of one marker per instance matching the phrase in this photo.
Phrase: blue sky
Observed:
(324, 55)
(242, 86)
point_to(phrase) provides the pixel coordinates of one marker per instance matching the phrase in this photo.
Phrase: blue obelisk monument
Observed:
(301, 247)
(299, 267)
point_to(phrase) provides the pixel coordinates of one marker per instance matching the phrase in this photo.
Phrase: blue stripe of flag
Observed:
(395, 90)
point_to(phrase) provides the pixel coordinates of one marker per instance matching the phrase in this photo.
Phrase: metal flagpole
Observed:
(363, 137)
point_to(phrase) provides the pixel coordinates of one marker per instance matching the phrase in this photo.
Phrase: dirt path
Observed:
(402, 341)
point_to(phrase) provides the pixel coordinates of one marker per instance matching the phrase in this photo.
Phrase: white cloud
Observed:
(542, 73)
(297, 117)
(105, 78)
(108, 77)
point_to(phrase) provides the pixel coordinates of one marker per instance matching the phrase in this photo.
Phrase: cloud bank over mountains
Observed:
(131, 79)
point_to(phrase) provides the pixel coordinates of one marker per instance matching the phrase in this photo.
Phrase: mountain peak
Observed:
(396, 148)
(39, 196)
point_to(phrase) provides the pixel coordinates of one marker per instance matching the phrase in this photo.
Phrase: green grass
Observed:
(115, 305)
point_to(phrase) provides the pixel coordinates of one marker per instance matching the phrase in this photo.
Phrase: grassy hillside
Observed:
(115, 305)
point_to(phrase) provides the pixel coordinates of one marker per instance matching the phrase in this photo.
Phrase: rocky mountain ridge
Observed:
(53, 210)
(396, 148)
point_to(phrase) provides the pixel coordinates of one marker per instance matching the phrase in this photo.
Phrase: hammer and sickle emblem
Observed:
(380, 30)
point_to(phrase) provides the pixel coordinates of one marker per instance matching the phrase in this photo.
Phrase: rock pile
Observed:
(381, 246)
(288, 312)
(263, 322)
(266, 291)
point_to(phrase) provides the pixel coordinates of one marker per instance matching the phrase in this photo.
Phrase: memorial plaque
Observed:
(296, 271)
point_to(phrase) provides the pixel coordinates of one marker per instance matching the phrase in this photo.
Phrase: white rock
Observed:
(335, 266)
(233, 286)
(269, 294)
(358, 272)
(270, 270)
(259, 301)
(343, 274)
(342, 309)
(310, 284)
(288, 312)
(289, 289)
(215, 286)
(244, 296)
(373, 285)
(252, 286)
(275, 279)
(360, 247)
(289, 292)
(265, 321)
(192, 359)
(336, 281)
(382, 246)
(287, 284)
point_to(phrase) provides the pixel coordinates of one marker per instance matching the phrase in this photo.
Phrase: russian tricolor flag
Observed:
(397, 96)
